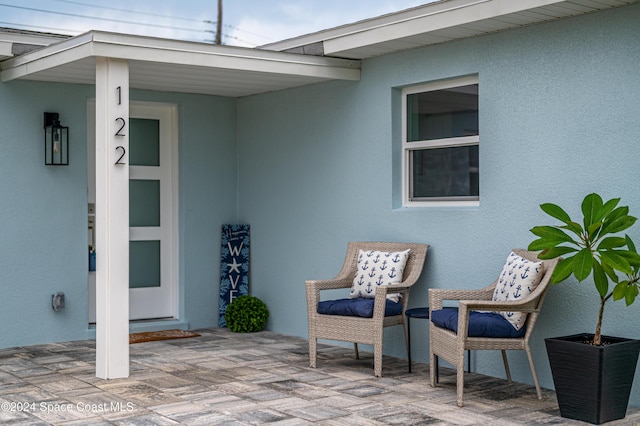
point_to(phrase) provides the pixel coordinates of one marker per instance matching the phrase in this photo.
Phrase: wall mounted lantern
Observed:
(56, 141)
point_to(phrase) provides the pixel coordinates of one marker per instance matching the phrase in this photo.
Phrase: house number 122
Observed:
(122, 123)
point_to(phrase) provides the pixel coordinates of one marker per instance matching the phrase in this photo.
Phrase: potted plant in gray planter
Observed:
(592, 373)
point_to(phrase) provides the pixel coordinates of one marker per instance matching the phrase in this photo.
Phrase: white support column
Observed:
(112, 218)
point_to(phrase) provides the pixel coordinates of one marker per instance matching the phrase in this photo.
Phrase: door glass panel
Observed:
(144, 264)
(144, 202)
(144, 142)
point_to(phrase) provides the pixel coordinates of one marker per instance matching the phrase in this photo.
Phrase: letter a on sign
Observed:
(234, 266)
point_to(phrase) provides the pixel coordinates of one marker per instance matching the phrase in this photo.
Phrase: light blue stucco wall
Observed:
(319, 166)
(313, 168)
(43, 216)
(43, 209)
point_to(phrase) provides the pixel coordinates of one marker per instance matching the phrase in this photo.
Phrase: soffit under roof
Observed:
(177, 66)
(437, 22)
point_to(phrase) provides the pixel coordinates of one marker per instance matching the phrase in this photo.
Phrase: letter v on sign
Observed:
(234, 282)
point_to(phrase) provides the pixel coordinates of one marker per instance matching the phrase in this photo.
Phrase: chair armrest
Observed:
(527, 304)
(489, 305)
(394, 288)
(313, 288)
(328, 284)
(438, 295)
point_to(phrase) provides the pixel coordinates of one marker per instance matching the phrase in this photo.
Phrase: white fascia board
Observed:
(456, 13)
(223, 57)
(119, 46)
(5, 50)
(33, 39)
(48, 57)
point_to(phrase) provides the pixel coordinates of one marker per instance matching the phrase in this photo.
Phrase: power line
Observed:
(132, 11)
(233, 27)
(62, 31)
(226, 36)
(75, 15)
(206, 21)
(14, 25)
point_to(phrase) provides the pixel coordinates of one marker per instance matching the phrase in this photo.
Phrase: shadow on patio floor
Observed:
(225, 378)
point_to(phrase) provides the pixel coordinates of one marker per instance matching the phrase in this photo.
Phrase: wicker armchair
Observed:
(451, 346)
(358, 329)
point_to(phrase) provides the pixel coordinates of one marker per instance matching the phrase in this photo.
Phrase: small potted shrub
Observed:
(246, 314)
(592, 373)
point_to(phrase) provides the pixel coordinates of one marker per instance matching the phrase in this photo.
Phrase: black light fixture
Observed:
(56, 141)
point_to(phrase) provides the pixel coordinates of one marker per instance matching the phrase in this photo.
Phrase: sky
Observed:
(246, 23)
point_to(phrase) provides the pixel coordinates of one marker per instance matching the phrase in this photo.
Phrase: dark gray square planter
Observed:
(592, 383)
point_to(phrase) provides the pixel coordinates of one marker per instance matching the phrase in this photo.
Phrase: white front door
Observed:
(153, 255)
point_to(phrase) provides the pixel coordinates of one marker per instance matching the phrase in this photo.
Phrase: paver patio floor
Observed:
(224, 378)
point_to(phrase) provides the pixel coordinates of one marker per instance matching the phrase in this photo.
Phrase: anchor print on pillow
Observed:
(519, 277)
(376, 268)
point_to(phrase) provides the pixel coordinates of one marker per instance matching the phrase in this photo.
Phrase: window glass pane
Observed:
(144, 264)
(144, 202)
(445, 113)
(445, 172)
(144, 146)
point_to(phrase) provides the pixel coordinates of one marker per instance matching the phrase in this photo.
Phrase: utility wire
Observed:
(40, 27)
(79, 3)
(75, 15)
(132, 11)
(206, 21)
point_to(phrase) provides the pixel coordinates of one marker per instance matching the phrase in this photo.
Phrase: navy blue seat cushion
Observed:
(481, 324)
(359, 307)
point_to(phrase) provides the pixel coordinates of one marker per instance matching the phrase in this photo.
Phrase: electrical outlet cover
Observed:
(57, 301)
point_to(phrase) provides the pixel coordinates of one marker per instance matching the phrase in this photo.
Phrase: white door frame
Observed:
(159, 302)
(168, 297)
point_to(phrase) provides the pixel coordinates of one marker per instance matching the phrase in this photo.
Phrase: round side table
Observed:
(423, 313)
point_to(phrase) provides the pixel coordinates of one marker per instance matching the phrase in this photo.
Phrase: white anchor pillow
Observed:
(519, 277)
(376, 268)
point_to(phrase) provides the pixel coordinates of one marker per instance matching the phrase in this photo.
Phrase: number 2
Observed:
(124, 123)
(119, 162)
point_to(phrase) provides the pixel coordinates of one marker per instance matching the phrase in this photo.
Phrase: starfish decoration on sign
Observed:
(235, 266)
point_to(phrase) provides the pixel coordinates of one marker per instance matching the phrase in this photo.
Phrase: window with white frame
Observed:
(440, 142)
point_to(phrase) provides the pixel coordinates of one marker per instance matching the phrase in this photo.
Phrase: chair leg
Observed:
(460, 380)
(377, 353)
(506, 365)
(533, 373)
(377, 360)
(432, 369)
(313, 343)
(406, 324)
(355, 348)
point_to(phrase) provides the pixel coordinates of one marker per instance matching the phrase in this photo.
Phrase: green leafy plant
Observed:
(592, 248)
(246, 314)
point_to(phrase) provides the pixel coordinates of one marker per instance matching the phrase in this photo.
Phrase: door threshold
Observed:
(140, 326)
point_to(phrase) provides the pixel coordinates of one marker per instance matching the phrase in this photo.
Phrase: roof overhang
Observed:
(177, 66)
(180, 66)
(16, 42)
(437, 22)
